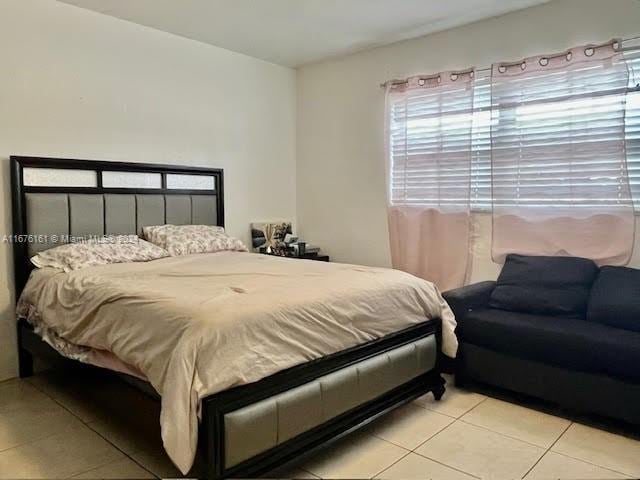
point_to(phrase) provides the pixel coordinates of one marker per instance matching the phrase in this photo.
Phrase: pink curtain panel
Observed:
(559, 175)
(428, 135)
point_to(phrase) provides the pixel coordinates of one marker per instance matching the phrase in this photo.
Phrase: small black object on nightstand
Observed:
(307, 256)
(313, 256)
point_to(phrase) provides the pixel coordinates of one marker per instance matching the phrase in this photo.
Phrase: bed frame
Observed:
(252, 429)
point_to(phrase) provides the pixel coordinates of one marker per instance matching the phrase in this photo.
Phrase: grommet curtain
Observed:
(559, 175)
(428, 140)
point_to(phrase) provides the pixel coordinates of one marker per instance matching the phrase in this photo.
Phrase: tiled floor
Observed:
(64, 426)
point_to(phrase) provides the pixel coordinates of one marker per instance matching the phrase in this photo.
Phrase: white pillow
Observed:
(188, 239)
(103, 251)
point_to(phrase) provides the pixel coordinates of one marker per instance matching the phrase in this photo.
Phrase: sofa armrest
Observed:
(471, 297)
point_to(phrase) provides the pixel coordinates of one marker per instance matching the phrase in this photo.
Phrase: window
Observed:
(632, 125)
(632, 136)
(430, 145)
(481, 143)
(426, 183)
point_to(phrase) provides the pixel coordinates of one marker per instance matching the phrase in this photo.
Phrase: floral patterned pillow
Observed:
(102, 251)
(157, 234)
(188, 239)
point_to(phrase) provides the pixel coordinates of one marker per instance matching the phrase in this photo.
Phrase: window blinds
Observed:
(482, 117)
(632, 123)
(429, 134)
(481, 142)
(558, 156)
(558, 139)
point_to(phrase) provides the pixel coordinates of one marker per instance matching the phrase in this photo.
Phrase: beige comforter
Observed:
(200, 324)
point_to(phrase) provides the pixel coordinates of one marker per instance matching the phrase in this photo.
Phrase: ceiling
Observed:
(297, 32)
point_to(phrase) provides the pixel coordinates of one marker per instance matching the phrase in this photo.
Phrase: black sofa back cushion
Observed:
(557, 286)
(615, 298)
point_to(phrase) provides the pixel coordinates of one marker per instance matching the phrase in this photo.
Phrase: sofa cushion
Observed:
(567, 343)
(544, 285)
(615, 298)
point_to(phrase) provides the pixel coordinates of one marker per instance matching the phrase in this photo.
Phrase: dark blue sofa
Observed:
(557, 328)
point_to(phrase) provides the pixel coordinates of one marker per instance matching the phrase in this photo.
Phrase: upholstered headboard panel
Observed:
(80, 215)
(56, 199)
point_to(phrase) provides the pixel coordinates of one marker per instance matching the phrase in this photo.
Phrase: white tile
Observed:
(157, 462)
(68, 392)
(294, 474)
(481, 452)
(409, 426)
(74, 451)
(556, 466)
(518, 422)
(455, 402)
(420, 468)
(33, 420)
(605, 449)
(128, 436)
(16, 393)
(97, 397)
(120, 469)
(357, 456)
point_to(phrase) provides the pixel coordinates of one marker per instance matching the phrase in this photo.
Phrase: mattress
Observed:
(200, 324)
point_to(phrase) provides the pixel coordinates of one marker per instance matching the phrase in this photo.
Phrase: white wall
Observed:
(83, 85)
(340, 150)
(78, 84)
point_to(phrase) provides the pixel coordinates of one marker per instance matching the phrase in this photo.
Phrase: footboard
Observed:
(252, 429)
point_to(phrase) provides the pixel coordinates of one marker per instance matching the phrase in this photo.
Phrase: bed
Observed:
(346, 348)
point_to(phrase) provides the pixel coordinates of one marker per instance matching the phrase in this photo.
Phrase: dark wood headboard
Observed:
(100, 192)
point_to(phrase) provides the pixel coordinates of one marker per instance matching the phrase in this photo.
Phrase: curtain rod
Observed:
(488, 69)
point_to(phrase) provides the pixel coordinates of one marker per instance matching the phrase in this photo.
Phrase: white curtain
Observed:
(429, 121)
(559, 175)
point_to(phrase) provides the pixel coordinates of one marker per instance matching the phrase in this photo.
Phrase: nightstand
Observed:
(306, 256)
